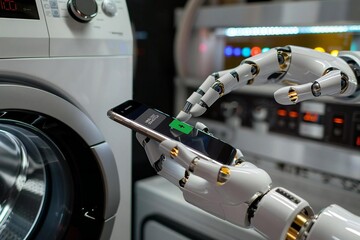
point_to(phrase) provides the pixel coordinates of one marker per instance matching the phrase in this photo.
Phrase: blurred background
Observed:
(311, 148)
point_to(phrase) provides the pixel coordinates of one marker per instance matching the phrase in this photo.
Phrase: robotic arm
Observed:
(310, 73)
(241, 193)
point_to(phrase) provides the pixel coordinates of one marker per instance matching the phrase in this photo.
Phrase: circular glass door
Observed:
(27, 157)
(78, 188)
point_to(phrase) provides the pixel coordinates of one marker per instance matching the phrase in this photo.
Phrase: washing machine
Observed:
(65, 168)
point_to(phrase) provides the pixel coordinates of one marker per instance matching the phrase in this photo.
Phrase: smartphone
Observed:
(160, 126)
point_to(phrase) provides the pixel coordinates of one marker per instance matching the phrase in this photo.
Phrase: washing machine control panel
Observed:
(58, 28)
(88, 27)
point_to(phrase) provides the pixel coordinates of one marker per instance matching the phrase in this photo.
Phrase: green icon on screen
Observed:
(181, 126)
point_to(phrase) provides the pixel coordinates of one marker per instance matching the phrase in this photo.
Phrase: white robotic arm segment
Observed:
(195, 97)
(269, 64)
(175, 150)
(353, 60)
(280, 214)
(329, 84)
(169, 170)
(319, 74)
(224, 84)
(334, 222)
(205, 195)
(306, 65)
(225, 191)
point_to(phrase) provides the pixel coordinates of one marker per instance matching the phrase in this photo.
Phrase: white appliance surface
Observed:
(89, 65)
(161, 207)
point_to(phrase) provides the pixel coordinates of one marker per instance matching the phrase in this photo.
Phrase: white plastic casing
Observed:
(168, 169)
(315, 64)
(57, 34)
(24, 38)
(202, 194)
(335, 222)
(276, 211)
(356, 57)
(229, 201)
(267, 64)
(231, 82)
(87, 64)
(101, 36)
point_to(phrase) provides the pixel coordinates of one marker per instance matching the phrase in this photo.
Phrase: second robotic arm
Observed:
(309, 73)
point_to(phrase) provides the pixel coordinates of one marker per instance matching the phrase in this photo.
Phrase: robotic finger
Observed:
(222, 84)
(331, 84)
(169, 170)
(195, 97)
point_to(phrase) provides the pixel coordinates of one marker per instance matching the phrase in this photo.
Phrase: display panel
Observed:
(24, 9)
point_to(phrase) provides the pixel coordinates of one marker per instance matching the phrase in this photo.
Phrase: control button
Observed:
(337, 132)
(109, 7)
(53, 4)
(338, 127)
(55, 13)
(82, 10)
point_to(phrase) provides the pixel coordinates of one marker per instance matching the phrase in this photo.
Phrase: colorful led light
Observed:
(255, 51)
(228, 51)
(338, 120)
(353, 46)
(281, 112)
(237, 52)
(202, 47)
(246, 52)
(265, 49)
(285, 30)
(311, 117)
(293, 114)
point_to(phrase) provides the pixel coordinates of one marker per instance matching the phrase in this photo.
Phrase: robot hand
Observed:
(310, 73)
(222, 190)
(242, 194)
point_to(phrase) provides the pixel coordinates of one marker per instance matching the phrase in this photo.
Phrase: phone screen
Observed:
(170, 127)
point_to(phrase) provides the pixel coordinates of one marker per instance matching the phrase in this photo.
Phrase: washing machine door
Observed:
(58, 177)
(29, 162)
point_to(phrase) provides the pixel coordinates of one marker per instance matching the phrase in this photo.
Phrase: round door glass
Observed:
(25, 156)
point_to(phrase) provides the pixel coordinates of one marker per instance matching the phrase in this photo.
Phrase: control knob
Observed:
(82, 10)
